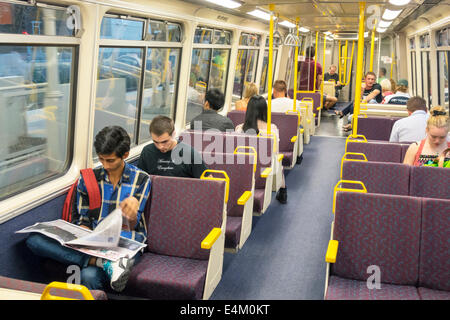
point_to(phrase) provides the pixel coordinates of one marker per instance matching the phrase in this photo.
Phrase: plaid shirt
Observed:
(134, 182)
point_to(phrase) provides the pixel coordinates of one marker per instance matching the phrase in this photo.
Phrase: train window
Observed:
(122, 29)
(247, 62)
(203, 35)
(157, 31)
(413, 73)
(252, 40)
(442, 37)
(160, 79)
(424, 40)
(222, 37)
(174, 31)
(426, 77)
(36, 84)
(443, 73)
(412, 44)
(263, 85)
(30, 19)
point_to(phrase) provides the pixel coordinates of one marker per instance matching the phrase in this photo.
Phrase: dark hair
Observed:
(215, 98)
(161, 125)
(112, 139)
(416, 103)
(256, 110)
(310, 51)
(370, 73)
(383, 71)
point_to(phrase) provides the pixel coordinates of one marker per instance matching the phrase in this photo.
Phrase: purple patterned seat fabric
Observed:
(28, 286)
(377, 151)
(161, 277)
(381, 230)
(347, 289)
(315, 96)
(239, 168)
(434, 267)
(236, 116)
(258, 203)
(287, 125)
(209, 141)
(182, 213)
(430, 182)
(430, 294)
(379, 177)
(375, 128)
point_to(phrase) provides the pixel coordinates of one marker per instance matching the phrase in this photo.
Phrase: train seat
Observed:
(430, 182)
(370, 230)
(434, 263)
(377, 150)
(376, 128)
(315, 97)
(35, 287)
(184, 216)
(240, 169)
(378, 177)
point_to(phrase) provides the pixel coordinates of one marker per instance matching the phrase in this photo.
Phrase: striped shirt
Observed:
(134, 182)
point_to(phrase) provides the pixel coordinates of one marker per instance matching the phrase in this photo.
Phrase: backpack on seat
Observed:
(95, 199)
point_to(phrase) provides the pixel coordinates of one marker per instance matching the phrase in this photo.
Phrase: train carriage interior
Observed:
(360, 222)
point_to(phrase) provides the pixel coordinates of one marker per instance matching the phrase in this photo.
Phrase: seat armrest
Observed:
(209, 240)
(294, 138)
(244, 198)
(330, 257)
(280, 157)
(266, 172)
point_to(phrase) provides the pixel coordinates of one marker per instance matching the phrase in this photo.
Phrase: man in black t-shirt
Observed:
(332, 75)
(168, 157)
(372, 89)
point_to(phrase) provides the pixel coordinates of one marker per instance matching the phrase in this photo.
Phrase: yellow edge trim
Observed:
(65, 286)
(337, 188)
(244, 198)
(351, 153)
(331, 254)
(266, 172)
(352, 138)
(249, 148)
(309, 120)
(302, 130)
(226, 179)
(209, 240)
(280, 157)
(294, 138)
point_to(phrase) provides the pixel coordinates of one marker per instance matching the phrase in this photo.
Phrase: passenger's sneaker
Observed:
(282, 195)
(118, 272)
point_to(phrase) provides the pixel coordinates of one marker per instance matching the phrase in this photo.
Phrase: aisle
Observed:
(284, 257)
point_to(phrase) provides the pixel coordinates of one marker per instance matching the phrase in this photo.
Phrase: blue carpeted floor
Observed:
(284, 257)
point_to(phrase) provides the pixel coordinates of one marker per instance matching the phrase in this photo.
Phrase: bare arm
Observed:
(411, 154)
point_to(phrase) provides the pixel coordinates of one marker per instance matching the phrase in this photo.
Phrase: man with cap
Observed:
(401, 96)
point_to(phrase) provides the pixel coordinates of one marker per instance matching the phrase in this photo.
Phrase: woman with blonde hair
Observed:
(250, 90)
(435, 142)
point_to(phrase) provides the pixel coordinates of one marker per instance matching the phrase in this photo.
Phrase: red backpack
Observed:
(95, 199)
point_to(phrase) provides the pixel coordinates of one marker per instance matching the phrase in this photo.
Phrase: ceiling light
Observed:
(287, 24)
(399, 2)
(303, 29)
(230, 4)
(328, 33)
(384, 24)
(366, 34)
(390, 14)
(260, 14)
(381, 30)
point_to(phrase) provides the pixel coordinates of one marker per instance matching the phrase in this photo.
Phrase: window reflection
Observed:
(245, 70)
(443, 73)
(35, 103)
(197, 82)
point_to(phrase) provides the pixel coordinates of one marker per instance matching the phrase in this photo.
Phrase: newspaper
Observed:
(104, 242)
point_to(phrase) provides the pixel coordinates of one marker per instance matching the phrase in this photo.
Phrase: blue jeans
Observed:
(92, 277)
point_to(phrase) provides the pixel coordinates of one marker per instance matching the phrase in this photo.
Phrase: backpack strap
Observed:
(419, 152)
(90, 181)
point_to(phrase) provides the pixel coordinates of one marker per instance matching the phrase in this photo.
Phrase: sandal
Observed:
(347, 128)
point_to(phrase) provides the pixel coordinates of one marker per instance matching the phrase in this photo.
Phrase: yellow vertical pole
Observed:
(392, 66)
(362, 7)
(323, 70)
(315, 61)
(340, 62)
(345, 61)
(297, 20)
(372, 47)
(270, 77)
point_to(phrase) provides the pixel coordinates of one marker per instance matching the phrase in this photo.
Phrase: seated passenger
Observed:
(436, 141)
(250, 90)
(413, 127)
(280, 101)
(209, 118)
(386, 88)
(255, 123)
(332, 75)
(168, 157)
(120, 184)
(401, 96)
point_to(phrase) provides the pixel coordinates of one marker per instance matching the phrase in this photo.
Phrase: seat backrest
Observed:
(262, 145)
(377, 230)
(430, 182)
(236, 116)
(377, 151)
(314, 95)
(182, 213)
(379, 177)
(434, 245)
(240, 171)
(287, 125)
(209, 141)
(375, 128)
(404, 147)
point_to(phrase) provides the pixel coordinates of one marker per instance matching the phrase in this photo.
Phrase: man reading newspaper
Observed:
(121, 185)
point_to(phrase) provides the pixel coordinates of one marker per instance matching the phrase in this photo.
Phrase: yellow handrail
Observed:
(209, 240)
(351, 138)
(296, 66)
(255, 154)
(226, 179)
(338, 188)
(65, 286)
(269, 88)
(344, 158)
(362, 6)
(372, 46)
